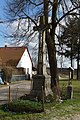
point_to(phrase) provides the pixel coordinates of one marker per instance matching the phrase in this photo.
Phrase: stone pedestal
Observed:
(38, 82)
(48, 90)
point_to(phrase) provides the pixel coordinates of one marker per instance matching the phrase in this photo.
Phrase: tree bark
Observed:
(53, 67)
(50, 40)
(78, 64)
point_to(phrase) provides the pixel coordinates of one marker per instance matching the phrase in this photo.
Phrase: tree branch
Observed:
(35, 3)
(68, 13)
(30, 18)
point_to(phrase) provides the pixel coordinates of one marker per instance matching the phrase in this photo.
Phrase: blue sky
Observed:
(2, 27)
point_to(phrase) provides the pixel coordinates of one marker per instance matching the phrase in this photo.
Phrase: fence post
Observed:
(9, 94)
(17, 92)
(42, 98)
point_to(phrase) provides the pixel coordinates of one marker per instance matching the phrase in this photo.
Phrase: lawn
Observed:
(53, 110)
(75, 85)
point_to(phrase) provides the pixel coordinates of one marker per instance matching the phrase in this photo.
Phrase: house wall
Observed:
(25, 62)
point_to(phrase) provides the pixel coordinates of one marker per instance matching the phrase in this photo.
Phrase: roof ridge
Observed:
(12, 53)
(14, 47)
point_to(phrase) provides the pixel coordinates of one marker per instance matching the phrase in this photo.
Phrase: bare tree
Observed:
(58, 10)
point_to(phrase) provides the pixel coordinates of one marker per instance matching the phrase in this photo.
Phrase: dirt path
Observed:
(16, 90)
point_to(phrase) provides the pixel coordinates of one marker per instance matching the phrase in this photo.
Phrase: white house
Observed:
(16, 57)
(25, 62)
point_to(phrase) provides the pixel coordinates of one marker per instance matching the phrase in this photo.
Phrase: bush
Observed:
(25, 106)
(64, 93)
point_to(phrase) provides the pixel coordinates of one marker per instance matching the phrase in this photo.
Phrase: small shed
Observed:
(71, 72)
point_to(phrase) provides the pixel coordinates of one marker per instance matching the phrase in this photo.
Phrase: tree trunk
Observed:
(71, 54)
(53, 61)
(78, 64)
(50, 41)
(53, 67)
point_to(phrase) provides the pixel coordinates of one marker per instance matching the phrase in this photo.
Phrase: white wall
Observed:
(25, 62)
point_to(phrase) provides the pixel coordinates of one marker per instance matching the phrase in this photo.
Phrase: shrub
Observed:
(25, 106)
(64, 94)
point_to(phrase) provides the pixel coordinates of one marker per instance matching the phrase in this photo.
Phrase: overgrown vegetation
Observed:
(21, 106)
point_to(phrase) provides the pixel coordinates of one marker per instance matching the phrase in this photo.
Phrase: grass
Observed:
(52, 110)
(75, 85)
(21, 106)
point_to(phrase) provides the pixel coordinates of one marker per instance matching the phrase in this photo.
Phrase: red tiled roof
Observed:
(11, 55)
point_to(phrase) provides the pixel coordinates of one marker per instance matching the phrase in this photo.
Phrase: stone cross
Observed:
(42, 78)
(41, 69)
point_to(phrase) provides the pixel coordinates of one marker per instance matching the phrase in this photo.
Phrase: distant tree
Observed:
(70, 38)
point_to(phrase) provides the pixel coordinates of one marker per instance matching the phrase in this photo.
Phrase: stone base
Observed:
(48, 90)
(38, 82)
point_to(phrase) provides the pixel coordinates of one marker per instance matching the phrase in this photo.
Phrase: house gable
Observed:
(25, 62)
(10, 56)
(16, 57)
